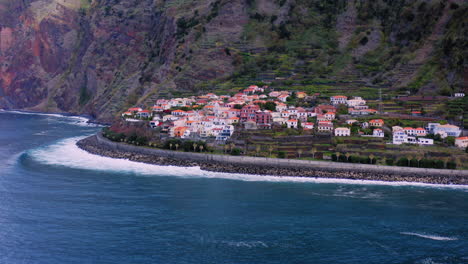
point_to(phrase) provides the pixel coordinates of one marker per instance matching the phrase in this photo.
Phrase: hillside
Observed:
(100, 56)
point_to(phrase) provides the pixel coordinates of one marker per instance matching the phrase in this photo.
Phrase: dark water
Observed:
(61, 205)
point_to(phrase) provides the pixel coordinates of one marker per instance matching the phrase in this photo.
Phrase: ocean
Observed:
(60, 204)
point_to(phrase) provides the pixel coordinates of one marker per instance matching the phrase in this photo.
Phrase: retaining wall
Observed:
(273, 162)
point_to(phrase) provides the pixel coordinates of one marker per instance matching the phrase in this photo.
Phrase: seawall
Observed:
(271, 166)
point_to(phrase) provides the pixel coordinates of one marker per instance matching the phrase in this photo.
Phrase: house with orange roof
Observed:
(181, 132)
(376, 123)
(461, 142)
(308, 125)
(342, 132)
(338, 99)
(283, 98)
(292, 123)
(301, 95)
(178, 113)
(325, 126)
(144, 114)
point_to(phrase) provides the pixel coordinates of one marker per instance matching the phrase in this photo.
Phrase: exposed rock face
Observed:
(99, 56)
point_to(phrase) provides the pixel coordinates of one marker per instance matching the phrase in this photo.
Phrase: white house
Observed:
(292, 123)
(461, 142)
(342, 132)
(338, 99)
(450, 130)
(378, 133)
(226, 133)
(356, 101)
(308, 125)
(400, 137)
(459, 94)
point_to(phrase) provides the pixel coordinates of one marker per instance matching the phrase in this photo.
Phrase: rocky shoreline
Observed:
(92, 145)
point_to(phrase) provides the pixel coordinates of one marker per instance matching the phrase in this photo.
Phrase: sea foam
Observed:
(74, 120)
(433, 237)
(66, 153)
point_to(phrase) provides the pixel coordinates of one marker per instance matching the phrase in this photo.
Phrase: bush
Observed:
(451, 165)
(389, 162)
(439, 164)
(236, 152)
(281, 154)
(402, 162)
(414, 163)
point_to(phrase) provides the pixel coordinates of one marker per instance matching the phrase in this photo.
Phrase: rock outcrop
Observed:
(100, 56)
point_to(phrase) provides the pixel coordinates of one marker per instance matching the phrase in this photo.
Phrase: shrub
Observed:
(236, 152)
(282, 154)
(389, 162)
(402, 162)
(451, 165)
(439, 164)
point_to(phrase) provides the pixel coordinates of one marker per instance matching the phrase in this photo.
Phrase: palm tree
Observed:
(170, 146)
(257, 150)
(201, 148)
(299, 152)
(194, 146)
(419, 158)
(176, 146)
(270, 149)
(409, 158)
(347, 156)
(338, 154)
(313, 151)
(226, 148)
(371, 157)
(232, 146)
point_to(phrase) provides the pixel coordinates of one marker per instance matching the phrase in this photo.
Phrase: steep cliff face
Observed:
(99, 56)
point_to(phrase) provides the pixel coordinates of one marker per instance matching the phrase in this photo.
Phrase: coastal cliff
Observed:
(248, 165)
(100, 56)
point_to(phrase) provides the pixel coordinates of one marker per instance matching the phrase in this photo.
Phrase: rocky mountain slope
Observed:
(100, 56)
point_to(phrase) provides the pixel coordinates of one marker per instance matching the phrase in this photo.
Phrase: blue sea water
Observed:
(59, 204)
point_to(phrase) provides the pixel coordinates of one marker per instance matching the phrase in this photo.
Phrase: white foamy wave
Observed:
(433, 237)
(75, 120)
(66, 153)
(247, 244)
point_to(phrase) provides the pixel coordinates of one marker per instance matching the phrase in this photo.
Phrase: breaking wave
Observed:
(69, 119)
(66, 153)
(433, 237)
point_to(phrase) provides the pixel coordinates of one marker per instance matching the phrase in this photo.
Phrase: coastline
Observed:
(89, 119)
(98, 145)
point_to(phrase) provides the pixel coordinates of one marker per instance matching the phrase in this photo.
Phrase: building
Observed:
(450, 130)
(356, 101)
(181, 132)
(308, 125)
(292, 123)
(338, 99)
(459, 94)
(144, 114)
(325, 126)
(461, 142)
(400, 137)
(301, 95)
(321, 109)
(226, 133)
(248, 113)
(378, 133)
(351, 121)
(376, 123)
(263, 119)
(342, 132)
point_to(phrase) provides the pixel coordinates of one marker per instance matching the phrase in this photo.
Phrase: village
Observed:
(260, 121)
(217, 117)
